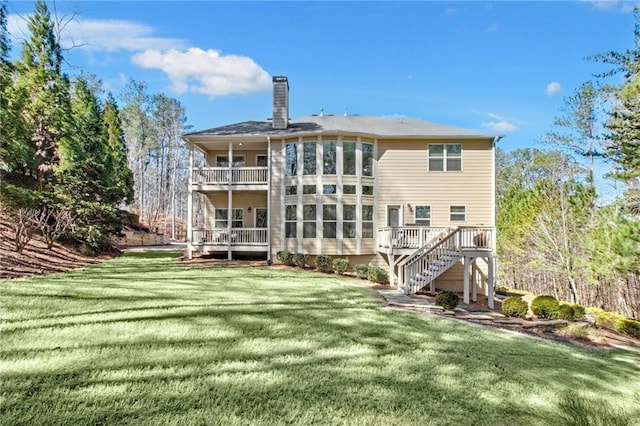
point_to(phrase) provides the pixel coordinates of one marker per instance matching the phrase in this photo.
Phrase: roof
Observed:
(351, 124)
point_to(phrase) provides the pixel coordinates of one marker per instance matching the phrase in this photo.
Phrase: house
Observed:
(412, 196)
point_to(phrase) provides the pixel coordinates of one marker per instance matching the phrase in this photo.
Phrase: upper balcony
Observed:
(220, 178)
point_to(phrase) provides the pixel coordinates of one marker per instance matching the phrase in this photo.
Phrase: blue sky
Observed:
(503, 67)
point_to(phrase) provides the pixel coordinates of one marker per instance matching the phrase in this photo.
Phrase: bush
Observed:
(285, 257)
(340, 265)
(616, 322)
(362, 271)
(579, 312)
(323, 263)
(515, 307)
(378, 275)
(566, 312)
(545, 307)
(300, 260)
(502, 290)
(628, 327)
(447, 299)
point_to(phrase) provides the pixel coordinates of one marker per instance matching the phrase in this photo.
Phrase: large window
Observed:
(309, 218)
(262, 160)
(309, 158)
(308, 189)
(367, 221)
(291, 160)
(329, 221)
(367, 159)
(349, 158)
(329, 158)
(222, 216)
(423, 215)
(223, 161)
(445, 157)
(458, 213)
(290, 226)
(349, 221)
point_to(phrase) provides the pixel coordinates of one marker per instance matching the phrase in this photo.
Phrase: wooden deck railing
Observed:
(238, 236)
(220, 175)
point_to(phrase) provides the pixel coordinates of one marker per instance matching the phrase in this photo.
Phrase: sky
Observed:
(502, 67)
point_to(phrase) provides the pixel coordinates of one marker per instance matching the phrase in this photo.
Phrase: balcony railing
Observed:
(414, 237)
(238, 176)
(238, 236)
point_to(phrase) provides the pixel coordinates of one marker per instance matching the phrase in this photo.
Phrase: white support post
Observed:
(490, 283)
(392, 261)
(465, 289)
(269, 257)
(189, 235)
(230, 202)
(474, 281)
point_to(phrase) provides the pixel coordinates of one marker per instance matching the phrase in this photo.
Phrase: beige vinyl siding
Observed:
(404, 178)
(241, 200)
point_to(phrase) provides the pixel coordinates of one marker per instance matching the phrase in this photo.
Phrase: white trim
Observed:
(400, 213)
(269, 176)
(445, 155)
(283, 161)
(466, 213)
(415, 213)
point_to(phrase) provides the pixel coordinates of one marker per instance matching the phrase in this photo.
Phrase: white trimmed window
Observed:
(329, 221)
(349, 158)
(329, 189)
(422, 215)
(329, 158)
(262, 160)
(291, 190)
(458, 213)
(367, 221)
(309, 221)
(445, 157)
(290, 227)
(309, 158)
(291, 159)
(367, 159)
(222, 216)
(223, 161)
(349, 189)
(349, 221)
(308, 189)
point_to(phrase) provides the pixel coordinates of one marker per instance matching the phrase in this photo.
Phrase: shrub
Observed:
(362, 271)
(578, 311)
(300, 260)
(378, 275)
(515, 307)
(502, 290)
(545, 307)
(566, 312)
(447, 299)
(340, 265)
(628, 327)
(323, 263)
(285, 257)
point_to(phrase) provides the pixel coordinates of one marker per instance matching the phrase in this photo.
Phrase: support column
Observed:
(230, 202)
(392, 264)
(189, 235)
(269, 257)
(465, 294)
(490, 283)
(474, 281)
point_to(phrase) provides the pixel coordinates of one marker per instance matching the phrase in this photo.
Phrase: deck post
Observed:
(474, 281)
(392, 260)
(230, 202)
(189, 235)
(490, 283)
(465, 288)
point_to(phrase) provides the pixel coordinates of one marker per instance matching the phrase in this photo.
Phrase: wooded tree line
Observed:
(70, 159)
(555, 235)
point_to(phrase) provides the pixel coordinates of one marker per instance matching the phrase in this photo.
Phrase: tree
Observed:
(44, 94)
(121, 184)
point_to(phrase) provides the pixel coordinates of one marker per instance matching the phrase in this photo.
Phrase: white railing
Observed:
(476, 238)
(238, 236)
(407, 237)
(220, 175)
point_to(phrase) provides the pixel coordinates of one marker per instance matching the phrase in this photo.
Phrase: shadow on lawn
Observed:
(298, 354)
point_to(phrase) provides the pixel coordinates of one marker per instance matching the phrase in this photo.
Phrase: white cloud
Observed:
(502, 126)
(206, 71)
(604, 4)
(101, 34)
(553, 88)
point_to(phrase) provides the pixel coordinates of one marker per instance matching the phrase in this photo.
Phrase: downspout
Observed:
(269, 260)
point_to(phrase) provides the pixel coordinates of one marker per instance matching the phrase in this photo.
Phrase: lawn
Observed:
(139, 340)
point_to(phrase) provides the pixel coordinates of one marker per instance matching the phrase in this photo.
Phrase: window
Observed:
(349, 158)
(329, 189)
(367, 159)
(458, 213)
(291, 160)
(329, 221)
(348, 189)
(308, 189)
(309, 221)
(348, 221)
(262, 160)
(291, 190)
(329, 158)
(445, 157)
(309, 158)
(367, 190)
(290, 226)
(367, 221)
(223, 161)
(423, 215)
(222, 215)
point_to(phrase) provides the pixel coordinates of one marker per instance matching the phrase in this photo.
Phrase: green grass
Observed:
(141, 341)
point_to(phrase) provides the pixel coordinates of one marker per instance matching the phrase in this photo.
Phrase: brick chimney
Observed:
(280, 119)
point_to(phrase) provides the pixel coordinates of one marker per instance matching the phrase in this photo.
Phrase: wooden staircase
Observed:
(430, 261)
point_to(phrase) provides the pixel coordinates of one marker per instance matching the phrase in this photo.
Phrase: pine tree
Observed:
(44, 93)
(121, 181)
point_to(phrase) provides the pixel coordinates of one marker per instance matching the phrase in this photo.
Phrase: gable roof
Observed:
(350, 124)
